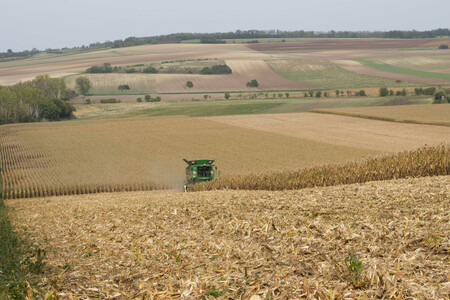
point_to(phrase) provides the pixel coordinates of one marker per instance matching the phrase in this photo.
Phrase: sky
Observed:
(27, 24)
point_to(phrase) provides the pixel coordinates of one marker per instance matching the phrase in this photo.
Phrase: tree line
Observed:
(41, 98)
(219, 37)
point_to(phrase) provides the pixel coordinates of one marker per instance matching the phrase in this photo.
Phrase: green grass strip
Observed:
(393, 69)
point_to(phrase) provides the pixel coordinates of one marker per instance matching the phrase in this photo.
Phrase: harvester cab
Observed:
(199, 170)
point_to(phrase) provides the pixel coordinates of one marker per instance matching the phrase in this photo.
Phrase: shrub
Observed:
(429, 91)
(131, 70)
(361, 93)
(189, 84)
(139, 99)
(318, 94)
(418, 91)
(110, 100)
(253, 83)
(150, 70)
(227, 96)
(105, 68)
(124, 87)
(383, 92)
(217, 69)
(443, 46)
(398, 93)
(88, 101)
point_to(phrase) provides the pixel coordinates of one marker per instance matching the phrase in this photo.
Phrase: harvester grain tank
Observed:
(199, 170)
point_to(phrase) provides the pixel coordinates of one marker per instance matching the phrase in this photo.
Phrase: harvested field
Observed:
(239, 244)
(81, 157)
(359, 68)
(343, 130)
(425, 114)
(328, 75)
(339, 44)
(243, 72)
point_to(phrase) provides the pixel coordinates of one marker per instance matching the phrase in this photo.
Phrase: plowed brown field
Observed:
(240, 244)
(347, 44)
(343, 130)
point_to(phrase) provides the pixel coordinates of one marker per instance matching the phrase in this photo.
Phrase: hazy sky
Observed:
(66, 23)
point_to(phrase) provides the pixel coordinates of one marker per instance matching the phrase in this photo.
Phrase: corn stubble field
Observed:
(385, 240)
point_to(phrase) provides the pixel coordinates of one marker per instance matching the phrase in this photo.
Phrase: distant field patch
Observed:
(379, 65)
(327, 75)
(336, 44)
(109, 83)
(426, 114)
(342, 130)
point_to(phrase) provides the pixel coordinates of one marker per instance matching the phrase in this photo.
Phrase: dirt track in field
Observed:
(356, 67)
(343, 130)
(347, 44)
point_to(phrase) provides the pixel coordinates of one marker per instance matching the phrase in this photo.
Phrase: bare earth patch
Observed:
(240, 244)
(343, 130)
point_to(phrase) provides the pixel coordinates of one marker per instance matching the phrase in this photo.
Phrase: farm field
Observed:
(243, 71)
(351, 44)
(238, 244)
(437, 63)
(144, 153)
(343, 130)
(217, 106)
(426, 114)
(328, 74)
(246, 61)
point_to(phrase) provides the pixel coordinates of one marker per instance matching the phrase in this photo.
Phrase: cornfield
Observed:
(94, 156)
(425, 161)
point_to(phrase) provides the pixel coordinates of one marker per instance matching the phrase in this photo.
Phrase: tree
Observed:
(148, 98)
(227, 96)
(83, 85)
(440, 97)
(139, 99)
(189, 84)
(337, 93)
(318, 94)
(443, 46)
(52, 88)
(253, 83)
(287, 95)
(383, 92)
(205, 96)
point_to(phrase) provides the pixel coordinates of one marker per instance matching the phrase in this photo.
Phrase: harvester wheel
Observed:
(185, 188)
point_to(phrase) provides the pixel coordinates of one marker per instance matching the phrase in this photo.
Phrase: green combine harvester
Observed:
(198, 171)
